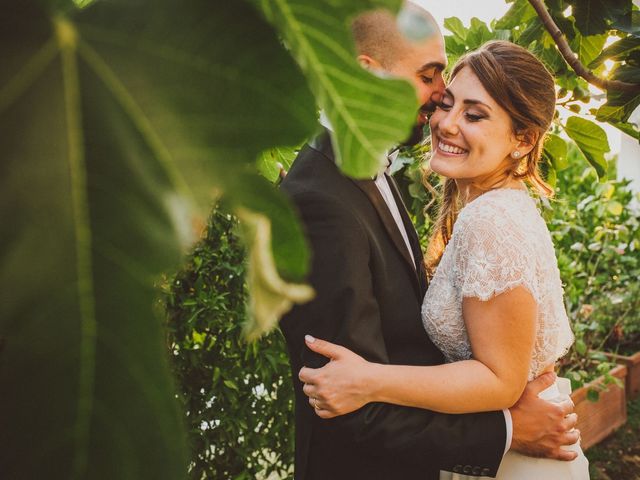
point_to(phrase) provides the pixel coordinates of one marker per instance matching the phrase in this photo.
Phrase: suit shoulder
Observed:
(313, 174)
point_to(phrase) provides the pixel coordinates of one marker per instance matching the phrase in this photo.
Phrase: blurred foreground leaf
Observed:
(119, 124)
(368, 114)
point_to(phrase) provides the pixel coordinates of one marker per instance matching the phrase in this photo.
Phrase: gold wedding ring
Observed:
(315, 403)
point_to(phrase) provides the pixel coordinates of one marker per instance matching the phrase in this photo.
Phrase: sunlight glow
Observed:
(608, 64)
(610, 39)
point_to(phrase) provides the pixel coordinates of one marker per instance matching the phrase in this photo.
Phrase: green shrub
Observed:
(595, 226)
(237, 396)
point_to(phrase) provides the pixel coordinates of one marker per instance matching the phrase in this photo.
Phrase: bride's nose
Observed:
(448, 123)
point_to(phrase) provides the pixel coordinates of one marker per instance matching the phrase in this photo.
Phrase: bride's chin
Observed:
(437, 165)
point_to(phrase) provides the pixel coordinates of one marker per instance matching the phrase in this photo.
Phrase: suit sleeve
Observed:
(345, 311)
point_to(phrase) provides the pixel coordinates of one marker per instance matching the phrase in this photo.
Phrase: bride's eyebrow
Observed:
(467, 101)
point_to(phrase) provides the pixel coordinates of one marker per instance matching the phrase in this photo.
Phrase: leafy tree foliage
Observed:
(237, 396)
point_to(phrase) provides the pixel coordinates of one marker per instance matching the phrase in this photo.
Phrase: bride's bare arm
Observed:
(502, 335)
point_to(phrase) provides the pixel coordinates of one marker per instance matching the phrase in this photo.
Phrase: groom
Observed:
(369, 279)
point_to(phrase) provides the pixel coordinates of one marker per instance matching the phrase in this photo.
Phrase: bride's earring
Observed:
(516, 154)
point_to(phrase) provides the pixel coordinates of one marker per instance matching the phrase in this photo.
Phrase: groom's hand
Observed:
(541, 428)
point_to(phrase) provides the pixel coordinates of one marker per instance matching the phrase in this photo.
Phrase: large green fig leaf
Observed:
(276, 244)
(555, 152)
(116, 121)
(275, 162)
(620, 105)
(629, 23)
(368, 114)
(591, 140)
(520, 12)
(630, 129)
(271, 296)
(591, 15)
(588, 47)
(457, 28)
(617, 51)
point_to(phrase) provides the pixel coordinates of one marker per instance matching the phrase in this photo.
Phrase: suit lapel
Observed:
(411, 233)
(371, 190)
(322, 143)
(408, 224)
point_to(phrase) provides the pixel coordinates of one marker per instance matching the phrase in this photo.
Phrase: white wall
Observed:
(629, 159)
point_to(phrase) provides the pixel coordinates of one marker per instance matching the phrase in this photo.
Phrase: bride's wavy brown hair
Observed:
(520, 84)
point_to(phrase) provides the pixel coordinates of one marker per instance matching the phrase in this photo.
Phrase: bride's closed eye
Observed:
(473, 117)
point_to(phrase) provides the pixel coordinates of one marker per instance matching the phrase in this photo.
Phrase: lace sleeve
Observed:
(492, 255)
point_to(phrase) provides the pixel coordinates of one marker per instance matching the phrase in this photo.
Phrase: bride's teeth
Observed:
(450, 148)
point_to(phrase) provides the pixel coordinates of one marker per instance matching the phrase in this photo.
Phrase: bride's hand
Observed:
(342, 385)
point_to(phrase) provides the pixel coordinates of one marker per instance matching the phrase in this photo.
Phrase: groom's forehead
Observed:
(426, 57)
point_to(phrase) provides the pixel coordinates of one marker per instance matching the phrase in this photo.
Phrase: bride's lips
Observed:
(449, 149)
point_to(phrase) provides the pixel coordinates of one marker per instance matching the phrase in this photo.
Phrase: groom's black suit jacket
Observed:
(368, 298)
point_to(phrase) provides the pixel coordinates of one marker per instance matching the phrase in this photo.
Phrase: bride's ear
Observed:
(526, 141)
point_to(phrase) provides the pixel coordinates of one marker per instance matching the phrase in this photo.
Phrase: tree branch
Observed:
(572, 59)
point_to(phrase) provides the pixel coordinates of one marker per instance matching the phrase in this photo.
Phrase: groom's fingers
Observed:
(567, 407)
(570, 422)
(570, 437)
(541, 383)
(324, 348)
(322, 413)
(564, 455)
(307, 375)
(310, 390)
(320, 409)
(565, 439)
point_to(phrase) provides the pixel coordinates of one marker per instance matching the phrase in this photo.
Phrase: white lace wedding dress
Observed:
(499, 242)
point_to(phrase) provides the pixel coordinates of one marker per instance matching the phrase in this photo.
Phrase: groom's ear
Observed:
(369, 63)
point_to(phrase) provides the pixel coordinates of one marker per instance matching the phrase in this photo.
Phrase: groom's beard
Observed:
(417, 131)
(416, 136)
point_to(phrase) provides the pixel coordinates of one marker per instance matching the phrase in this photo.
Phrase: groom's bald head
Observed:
(409, 46)
(377, 33)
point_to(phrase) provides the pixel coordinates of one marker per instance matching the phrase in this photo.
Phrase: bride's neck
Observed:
(472, 189)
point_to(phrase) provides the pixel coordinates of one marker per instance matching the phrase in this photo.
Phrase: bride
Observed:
(494, 305)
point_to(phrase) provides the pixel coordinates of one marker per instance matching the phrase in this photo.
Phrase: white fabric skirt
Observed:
(515, 466)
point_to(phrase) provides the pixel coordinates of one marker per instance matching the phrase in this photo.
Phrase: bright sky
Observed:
(487, 10)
